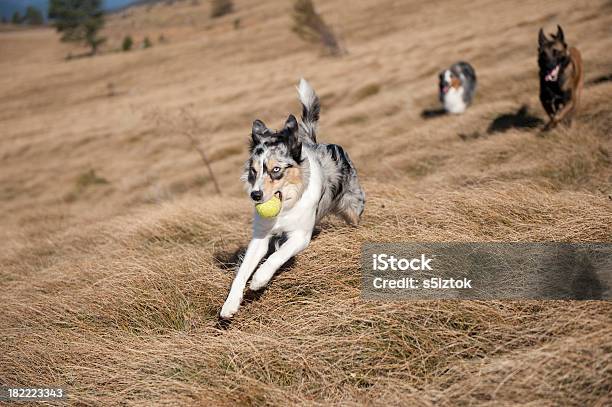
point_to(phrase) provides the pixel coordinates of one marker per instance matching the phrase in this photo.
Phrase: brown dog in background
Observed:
(561, 77)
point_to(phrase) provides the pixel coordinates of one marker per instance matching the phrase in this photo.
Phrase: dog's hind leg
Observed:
(255, 252)
(296, 242)
(352, 203)
(351, 210)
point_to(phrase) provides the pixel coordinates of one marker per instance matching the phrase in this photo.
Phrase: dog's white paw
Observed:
(258, 282)
(229, 308)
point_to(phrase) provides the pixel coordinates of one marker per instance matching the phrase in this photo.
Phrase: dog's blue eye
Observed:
(276, 169)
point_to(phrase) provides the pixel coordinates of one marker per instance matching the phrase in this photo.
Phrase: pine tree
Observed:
(16, 19)
(33, 16)
(127, 43)
(78, 21)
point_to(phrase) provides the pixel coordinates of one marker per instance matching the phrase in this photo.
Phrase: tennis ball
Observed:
(270, 208)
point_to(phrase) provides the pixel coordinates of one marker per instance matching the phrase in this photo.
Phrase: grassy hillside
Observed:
(117, 253)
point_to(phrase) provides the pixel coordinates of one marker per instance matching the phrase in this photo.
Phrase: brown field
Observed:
(117, 253)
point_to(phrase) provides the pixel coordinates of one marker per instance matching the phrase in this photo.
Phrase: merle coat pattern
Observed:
(457, 87)
(311, 179)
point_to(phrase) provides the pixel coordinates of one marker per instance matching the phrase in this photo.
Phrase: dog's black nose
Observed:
(256, 195)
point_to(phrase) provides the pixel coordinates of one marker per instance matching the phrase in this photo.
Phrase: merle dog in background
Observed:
(457, 87)
(561, 77)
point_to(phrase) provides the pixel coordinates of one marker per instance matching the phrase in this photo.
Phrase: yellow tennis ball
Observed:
(270, 208)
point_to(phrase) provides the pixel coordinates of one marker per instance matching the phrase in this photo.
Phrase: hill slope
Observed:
(117, 253)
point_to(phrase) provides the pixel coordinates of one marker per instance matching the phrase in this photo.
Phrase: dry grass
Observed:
(114, 294)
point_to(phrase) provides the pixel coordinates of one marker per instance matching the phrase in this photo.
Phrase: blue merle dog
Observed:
(457, 87)
(311, 179)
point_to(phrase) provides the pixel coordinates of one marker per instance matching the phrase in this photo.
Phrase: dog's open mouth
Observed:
(553, 75)
(445, 89)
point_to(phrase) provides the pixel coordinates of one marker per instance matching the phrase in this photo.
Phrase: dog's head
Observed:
(553, 55)
(274, 167)
(449, 79)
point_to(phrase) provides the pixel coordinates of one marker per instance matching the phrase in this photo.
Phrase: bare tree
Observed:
(189, 126)
(194, 126)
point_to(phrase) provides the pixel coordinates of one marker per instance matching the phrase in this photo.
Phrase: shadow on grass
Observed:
(519, 120)
(470, 136)
(600, 79)
(432, 113)
(87, 54)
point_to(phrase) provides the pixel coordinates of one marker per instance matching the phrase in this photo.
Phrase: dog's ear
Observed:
(291, 124)
(258, 131)
(542, 38)
(559, 36)
(293, 141)
(259, 128)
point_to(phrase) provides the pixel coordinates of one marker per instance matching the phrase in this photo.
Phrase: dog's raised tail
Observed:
(310, 110)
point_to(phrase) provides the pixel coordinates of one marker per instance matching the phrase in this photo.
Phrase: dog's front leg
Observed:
(255, 252)
(296, 242)
(552, 113)
(561, 114)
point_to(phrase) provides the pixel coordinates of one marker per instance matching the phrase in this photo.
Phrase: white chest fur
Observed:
(453, 100)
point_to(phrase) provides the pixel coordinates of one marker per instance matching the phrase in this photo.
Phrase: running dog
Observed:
(311, 180)
(561, 77)
(457, 87)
